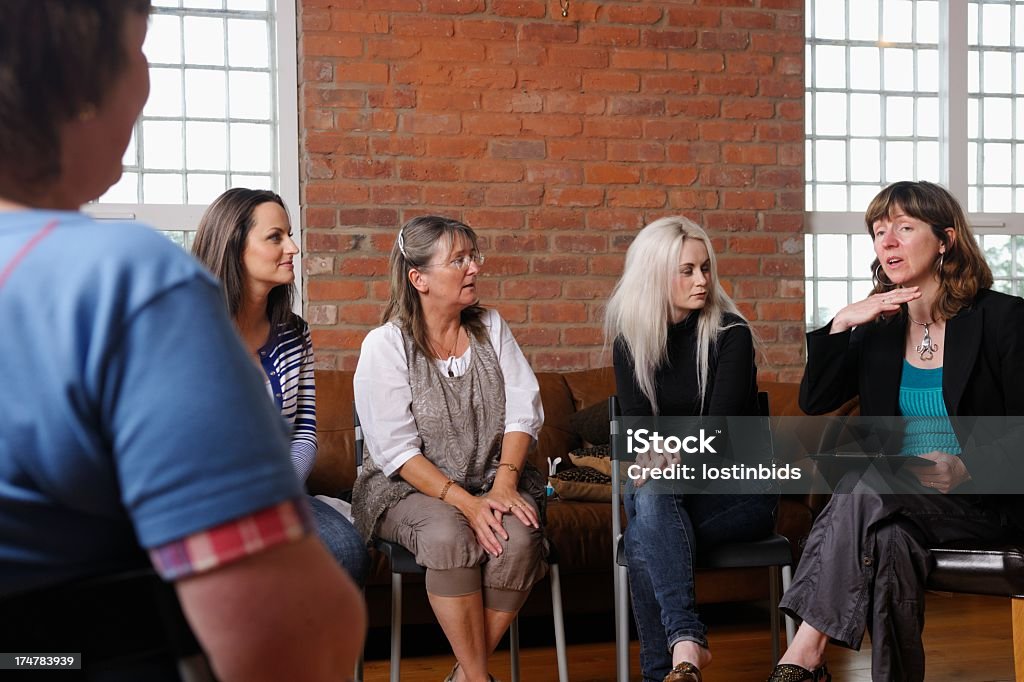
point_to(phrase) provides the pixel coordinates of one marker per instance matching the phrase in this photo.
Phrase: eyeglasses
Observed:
(461, 263)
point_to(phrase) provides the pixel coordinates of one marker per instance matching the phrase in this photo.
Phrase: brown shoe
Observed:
(684, 672)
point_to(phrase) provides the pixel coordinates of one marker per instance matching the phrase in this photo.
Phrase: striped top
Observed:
(287, 360)
(927, 423)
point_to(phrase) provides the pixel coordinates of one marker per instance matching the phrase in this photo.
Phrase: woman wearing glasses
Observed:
(449, 408)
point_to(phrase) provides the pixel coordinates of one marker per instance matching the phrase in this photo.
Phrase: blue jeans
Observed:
(661, 540)
(342, 540)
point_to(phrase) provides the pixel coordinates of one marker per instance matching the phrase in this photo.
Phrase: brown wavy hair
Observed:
(413, 248)
(962, 272)
(57, 59)
(220, 243)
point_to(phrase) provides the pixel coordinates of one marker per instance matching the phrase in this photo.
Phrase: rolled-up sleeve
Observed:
(384, 400)
(523, 409)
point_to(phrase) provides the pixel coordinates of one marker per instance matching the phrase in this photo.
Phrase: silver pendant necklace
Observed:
(927, 348)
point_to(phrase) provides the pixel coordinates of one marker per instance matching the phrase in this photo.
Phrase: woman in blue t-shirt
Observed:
(931, 342)
(245, 239)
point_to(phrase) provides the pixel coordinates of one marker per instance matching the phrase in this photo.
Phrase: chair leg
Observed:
(787, 580)
(396, 626)
(1018, 637)
(621, 624)
(556, 611)
(513, 648)
(773, 608)
(195, 669)
(357, 674)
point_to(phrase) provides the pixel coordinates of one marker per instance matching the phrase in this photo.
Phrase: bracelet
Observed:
(444, 490)
(511, 467)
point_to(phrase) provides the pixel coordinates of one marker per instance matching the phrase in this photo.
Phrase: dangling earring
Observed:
(878, 276)
(942, 259)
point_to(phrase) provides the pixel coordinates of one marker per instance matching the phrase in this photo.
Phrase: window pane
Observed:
(864, 71)
(927, 25)
(861, 196)
(247, 43)
(996, 76)
(899, 161)
(865, 115)
(830, 114)
(248, 5)
(204, 188)
(206, 145)
(928, 71)
(864, 20)
(996, 248)
(163, 188)
(995, 24)
(830, 160)
(899, 116)
(899, 69)
(830, 198)
(126, 191)
(250, 94)
(998, 118)
(862, 254)
(928, 117)
(828, 19)
(898, 21)
(164, 93)
(830, 66)
(996, 168)
(204, 41)
(928, 161)
(832, 257)
(205, 93)
(163, 40)
(997, 199)
(832, 296)
(865, 160)
(251, 146)
(161, 145)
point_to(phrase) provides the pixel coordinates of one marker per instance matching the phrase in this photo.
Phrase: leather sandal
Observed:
(684, 672)
(451, 675)
(787, 672)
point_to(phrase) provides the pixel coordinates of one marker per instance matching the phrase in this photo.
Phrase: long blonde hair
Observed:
(641, 304)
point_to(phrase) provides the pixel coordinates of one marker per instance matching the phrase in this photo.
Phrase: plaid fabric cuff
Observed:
(236, 539)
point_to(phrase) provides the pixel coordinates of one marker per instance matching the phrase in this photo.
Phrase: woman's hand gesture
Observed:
(871, 307)
(508, 500)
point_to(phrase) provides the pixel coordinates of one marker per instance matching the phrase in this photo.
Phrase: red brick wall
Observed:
(556, 139)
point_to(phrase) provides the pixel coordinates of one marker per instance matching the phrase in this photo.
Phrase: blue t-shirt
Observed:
(130, 414)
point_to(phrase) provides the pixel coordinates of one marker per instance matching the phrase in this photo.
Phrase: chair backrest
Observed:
(359, 439)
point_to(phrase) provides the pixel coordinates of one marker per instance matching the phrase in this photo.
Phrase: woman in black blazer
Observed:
(866, 560)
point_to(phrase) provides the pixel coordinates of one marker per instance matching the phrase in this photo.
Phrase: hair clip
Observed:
(401, 244)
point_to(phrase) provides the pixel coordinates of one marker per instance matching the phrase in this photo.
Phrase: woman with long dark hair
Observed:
(245, 239)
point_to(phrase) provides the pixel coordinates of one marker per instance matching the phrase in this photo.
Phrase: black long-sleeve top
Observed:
(732, 374)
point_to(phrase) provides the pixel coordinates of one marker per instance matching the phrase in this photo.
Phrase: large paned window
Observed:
(221, 113)
(918, 90)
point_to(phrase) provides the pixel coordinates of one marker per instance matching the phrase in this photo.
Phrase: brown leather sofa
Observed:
(581, 531)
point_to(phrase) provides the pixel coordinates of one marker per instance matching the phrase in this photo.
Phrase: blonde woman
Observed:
(681, 348)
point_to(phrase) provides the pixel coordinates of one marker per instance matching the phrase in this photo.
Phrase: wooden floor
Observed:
(967, 639)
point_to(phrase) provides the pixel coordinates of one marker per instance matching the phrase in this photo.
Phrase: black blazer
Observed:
(983, 376)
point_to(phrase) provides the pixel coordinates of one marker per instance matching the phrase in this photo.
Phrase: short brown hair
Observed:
(58, 58)
(963, 271)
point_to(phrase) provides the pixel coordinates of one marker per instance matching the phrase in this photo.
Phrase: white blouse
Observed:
(384, 397)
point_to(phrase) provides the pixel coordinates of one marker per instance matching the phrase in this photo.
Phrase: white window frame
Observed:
(178, 217)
